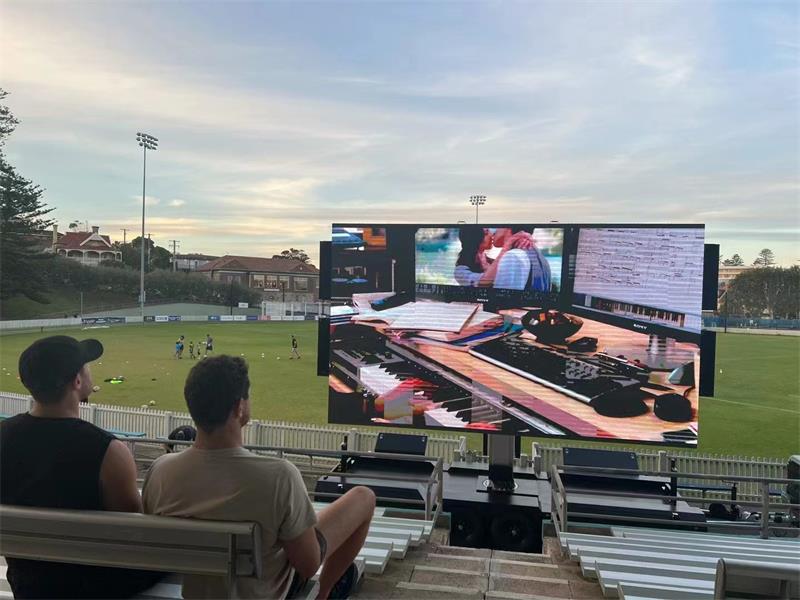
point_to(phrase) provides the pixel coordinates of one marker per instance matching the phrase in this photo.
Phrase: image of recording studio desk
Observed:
(547, 410)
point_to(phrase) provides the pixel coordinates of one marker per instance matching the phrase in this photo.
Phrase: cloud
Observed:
(562, 112)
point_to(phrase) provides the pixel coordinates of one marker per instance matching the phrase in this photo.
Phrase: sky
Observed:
(276, 119)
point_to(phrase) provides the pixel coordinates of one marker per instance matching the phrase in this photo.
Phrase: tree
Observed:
(160, 258)
(23, 217)
(771, 291)
(733, 261)
(155, 257)
(295, 254)
(766, 258)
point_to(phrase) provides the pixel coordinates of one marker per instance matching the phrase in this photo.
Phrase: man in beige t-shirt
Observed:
(218, 479)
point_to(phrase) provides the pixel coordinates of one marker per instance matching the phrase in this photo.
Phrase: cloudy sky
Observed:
(277, 118)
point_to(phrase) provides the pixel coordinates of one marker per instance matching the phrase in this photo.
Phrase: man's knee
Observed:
(366, 497)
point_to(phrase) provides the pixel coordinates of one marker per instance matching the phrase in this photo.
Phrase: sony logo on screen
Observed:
(642, 327)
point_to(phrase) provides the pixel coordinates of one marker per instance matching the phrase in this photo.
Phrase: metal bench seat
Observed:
(609, 580)
(691, 535)
(677, 545)
(591, 565)
(637, 591)
(594, 552)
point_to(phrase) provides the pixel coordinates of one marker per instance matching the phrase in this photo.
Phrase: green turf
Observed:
(282, 389)
(755, 411)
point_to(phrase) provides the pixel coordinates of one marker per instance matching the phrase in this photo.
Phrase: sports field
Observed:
(755, 412)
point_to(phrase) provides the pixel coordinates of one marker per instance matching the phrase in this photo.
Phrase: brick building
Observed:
(279, 279)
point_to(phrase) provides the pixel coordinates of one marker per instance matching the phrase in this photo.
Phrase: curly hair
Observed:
(213, 388)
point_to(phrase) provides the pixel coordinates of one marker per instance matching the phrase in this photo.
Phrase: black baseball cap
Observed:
(47, 365)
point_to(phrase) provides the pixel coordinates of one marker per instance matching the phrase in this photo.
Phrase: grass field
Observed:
(755, 411)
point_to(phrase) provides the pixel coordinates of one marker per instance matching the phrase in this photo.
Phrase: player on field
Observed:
(294, 349)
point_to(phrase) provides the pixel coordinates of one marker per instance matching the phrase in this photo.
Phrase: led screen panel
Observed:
(539, 329)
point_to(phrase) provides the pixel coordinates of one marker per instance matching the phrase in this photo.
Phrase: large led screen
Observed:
(567, 331)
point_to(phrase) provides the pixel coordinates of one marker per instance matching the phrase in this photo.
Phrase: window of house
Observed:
(272, 282)
(257, 281)
(284, 282)
(301, 284)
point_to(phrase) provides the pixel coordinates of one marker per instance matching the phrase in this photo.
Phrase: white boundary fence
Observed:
(159, 423)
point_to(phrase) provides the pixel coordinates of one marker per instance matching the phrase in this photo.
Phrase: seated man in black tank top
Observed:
(51, 458)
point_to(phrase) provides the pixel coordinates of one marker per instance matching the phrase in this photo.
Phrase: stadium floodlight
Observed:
(477, 201)
(147, 142)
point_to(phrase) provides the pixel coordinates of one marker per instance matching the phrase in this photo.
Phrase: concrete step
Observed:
(545, 586)
(461, 551)
(499, 566)
(454, 577)
(417, 591)
(495, 595)
(521, 556)
(470, 564)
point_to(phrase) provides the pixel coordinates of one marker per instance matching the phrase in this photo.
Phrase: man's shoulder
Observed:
(244, 460)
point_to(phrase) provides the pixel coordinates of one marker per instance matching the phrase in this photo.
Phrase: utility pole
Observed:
(149, 243)
(174, 256)
(124, 241)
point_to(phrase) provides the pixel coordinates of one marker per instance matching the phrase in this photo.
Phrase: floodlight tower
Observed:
(477, 201)
(147, 142)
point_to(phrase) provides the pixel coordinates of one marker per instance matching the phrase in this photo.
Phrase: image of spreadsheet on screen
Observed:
(650, 275)
(488, 329)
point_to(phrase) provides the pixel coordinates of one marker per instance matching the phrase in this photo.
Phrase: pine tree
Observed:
(23, 217)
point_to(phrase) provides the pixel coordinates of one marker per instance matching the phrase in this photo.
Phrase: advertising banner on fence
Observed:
(243, 305)
(149, 318)
(264, 317)
(174, 317)
(102, 320)
(240, 317)
(226, 317)
(253, 318)
(213, 317)
(162, 319)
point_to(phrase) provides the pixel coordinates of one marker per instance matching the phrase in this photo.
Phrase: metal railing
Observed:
(546, 454)
(432, 502)
(561, 515)
(155, 423)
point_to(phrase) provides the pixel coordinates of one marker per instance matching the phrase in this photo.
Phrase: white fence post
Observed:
(93, 414)
(168, 423)
(353, 441)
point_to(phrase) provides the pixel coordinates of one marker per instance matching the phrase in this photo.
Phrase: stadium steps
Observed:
(650, 563)
(435, 570)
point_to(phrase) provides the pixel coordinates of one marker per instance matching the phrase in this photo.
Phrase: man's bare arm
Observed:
(118, 480)
(303, 553)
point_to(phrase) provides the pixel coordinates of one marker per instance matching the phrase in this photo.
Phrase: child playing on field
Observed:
(191, 350)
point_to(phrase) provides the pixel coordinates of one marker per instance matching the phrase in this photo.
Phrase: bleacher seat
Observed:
(175, 545)
(652, 563)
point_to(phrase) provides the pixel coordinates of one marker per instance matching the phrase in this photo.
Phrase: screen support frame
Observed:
(501, 463)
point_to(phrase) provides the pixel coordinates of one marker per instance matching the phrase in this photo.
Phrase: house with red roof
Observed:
(279, 279)
(87, 247)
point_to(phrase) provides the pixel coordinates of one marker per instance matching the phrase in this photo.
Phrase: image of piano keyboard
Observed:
(403, 392)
